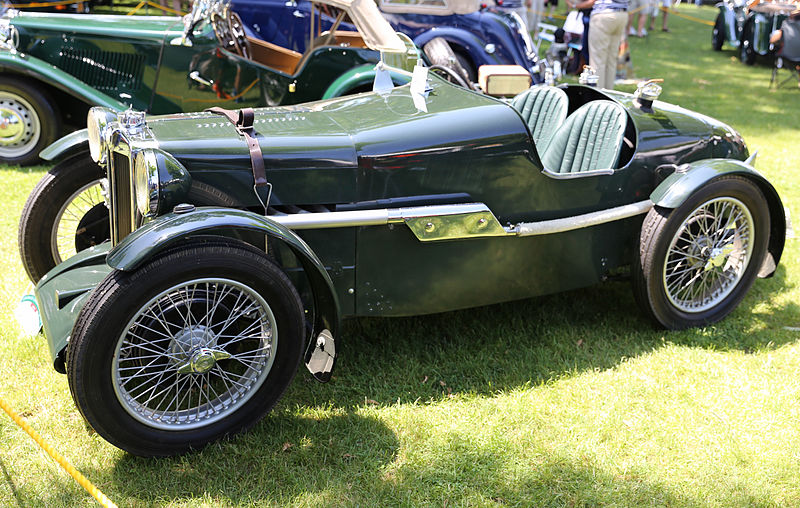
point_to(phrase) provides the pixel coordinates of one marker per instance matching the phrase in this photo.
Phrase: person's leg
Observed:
(615, 32)
(598, 45)
(664, 17)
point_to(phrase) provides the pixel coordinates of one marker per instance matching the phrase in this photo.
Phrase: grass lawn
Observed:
(566, 400)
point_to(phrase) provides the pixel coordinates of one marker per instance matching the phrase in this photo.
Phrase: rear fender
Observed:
(172, 228)
(678, 186)
(358, 77)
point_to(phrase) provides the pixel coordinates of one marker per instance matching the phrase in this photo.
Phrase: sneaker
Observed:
(643, 33)
(631, 31)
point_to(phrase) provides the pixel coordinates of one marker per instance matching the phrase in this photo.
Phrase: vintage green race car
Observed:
(190, 324)
(55, 66)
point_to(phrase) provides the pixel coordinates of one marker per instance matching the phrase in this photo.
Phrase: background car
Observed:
(748, 28)
(56, 66)
(475, 35)
(419, 199)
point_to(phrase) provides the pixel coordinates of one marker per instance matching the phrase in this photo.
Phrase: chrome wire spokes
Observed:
(709, 254)
(20, 128)
(194, 354)
(73, 219)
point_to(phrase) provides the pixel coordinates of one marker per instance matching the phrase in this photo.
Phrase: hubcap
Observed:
(194, 354)
(708, 255)
(20, 128)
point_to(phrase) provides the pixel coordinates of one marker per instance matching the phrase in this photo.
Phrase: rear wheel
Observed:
(196, 344)
(441, 54)
(698, 261)
(29, 121)
(718, 33)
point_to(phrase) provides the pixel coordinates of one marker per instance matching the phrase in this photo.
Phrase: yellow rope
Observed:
(82, 480)
(686, 16)
(133, 11)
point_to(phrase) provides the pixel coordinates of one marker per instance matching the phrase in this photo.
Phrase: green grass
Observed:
(566, 400)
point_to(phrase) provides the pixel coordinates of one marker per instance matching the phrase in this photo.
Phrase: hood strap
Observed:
(242, 120)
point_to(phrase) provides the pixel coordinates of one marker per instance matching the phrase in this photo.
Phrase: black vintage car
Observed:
(748, 26)
(191, 322)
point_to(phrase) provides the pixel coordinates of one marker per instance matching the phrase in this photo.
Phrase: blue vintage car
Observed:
(477, 35)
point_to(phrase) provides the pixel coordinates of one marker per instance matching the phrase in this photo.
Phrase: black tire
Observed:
(746, 52)
(695, 291)
(37, 117)
(70, 197)
(440, 53)
(150, 330)
(718, 33)
(466, 63)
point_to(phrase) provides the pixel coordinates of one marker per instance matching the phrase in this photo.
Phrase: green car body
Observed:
(381, 208)
(155, 64)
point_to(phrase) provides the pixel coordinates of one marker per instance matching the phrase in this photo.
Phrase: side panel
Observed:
(40, 70)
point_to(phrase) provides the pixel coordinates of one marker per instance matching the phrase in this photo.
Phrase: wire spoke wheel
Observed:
(708, 255)
(194, 354)
(80, 215)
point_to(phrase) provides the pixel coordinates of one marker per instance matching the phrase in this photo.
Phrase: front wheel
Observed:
(698, 261)
(66, 213)
(197, 344)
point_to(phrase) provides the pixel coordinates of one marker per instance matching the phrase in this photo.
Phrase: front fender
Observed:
(678, 186)
(37, 69)
(72, 143)
(169, 229)
(358, 77)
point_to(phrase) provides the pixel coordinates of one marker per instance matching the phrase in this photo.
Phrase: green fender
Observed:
(172, 228)
(40, 70)
(678, 186)
(68, 145)
(357, 77)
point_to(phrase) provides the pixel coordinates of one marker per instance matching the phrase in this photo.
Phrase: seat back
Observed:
(590, 139)
(544, 109)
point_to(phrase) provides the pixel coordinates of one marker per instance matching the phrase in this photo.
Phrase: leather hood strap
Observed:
(243, 120)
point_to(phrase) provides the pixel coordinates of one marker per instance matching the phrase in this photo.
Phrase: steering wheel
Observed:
(229, 29)
(450, 75)
(236, 29)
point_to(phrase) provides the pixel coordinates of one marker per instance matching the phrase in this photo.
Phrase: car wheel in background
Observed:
(29, 121)
(66, 213)
(196, 344)
(440, 53)
(697, 262)
(718, 33)
(746, 52)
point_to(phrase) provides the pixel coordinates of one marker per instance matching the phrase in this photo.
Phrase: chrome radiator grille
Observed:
(120, 177)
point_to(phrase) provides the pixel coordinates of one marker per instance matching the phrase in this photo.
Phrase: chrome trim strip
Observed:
(580, 174)
(380, 217)
(580, 221)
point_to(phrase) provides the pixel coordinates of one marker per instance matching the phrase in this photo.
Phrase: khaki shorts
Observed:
(644, 6)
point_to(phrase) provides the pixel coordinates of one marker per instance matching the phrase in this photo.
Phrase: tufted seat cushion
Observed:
(590, 139)
(544, 109)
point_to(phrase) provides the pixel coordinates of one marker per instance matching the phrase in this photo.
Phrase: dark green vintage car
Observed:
(55, 66)
(749, 28)
(190, 324)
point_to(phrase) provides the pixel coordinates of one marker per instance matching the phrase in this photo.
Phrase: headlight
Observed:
(96, 122)
(146, 182)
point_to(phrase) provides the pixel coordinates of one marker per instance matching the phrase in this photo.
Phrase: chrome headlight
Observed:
(146, 183)
(96, 122)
